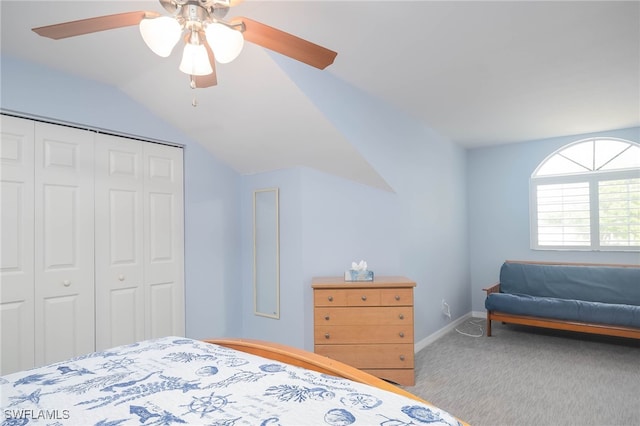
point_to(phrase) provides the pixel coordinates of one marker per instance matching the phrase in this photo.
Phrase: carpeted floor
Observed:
(529, 376)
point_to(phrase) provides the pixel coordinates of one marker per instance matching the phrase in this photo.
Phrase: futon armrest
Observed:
(493, 289)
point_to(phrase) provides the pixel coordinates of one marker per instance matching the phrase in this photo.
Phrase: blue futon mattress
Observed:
(563, 309)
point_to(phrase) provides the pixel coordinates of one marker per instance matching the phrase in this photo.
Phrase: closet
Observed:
(92, 242)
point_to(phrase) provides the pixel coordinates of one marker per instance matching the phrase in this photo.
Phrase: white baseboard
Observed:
(438, 334)
(444, 330)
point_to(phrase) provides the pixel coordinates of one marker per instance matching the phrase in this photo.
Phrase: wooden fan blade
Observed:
(93, 25)
(202, 81)
(286, 44)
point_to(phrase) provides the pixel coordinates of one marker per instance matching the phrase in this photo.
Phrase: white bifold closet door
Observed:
(16, 255)
(139, 241)
(163, 241)
(64, 258)
(92, 234)
(119, 248)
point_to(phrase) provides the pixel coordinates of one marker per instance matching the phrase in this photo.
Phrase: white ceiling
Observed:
(479, 73)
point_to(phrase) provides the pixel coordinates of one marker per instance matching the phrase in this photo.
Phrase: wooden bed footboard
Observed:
(313, 361)
(310, 361)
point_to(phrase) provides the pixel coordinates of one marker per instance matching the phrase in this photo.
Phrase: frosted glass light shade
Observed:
(195, 60)
(225, 42)
(160, 34)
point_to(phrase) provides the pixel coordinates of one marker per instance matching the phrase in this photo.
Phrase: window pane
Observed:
(581, 153)
(608, 150)
(592, 155)
(619, 212)
(563, 214)
(627, 160)
(559, 165)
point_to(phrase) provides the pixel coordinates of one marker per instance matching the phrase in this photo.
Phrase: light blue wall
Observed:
(498, 188)
(211, 187)
(343, 222)
(326, 222)
(428, 238)
(420, 230)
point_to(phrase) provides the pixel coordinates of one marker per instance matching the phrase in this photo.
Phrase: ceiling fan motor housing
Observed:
(217, 7)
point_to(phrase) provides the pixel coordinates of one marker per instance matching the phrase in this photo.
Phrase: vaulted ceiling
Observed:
(479, 73)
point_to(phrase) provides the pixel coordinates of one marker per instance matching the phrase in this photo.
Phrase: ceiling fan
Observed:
(207, 36)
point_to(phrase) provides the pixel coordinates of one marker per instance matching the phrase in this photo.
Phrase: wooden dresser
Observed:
(368, 325)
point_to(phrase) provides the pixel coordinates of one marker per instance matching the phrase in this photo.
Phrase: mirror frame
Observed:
(260, 251)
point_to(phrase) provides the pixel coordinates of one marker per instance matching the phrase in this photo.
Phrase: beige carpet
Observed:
(530, 376)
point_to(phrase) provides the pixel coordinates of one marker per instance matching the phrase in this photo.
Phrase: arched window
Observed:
(586, 196)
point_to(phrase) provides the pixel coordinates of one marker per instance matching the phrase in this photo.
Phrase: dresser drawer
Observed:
(343, 334)
(400, 376)
(396, 297)
(330, 297)
(400, 315)
(370, 356)
(363, 297)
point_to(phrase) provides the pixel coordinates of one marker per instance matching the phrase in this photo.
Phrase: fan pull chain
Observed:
(192, 83)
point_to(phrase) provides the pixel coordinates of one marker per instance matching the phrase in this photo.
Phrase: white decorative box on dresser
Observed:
(368, 325)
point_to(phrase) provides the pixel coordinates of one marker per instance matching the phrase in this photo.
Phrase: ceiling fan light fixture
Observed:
(160, 34)
(195, 60)
(225, 42)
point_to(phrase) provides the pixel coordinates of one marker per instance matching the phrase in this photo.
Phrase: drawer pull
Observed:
(401, 334)
(401, 357)
(364, 298)
(326, 335)
(401, 316)
(326, 317)
(330, 298)
(397, 297)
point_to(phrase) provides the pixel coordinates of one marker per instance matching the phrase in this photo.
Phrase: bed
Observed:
(176, 380)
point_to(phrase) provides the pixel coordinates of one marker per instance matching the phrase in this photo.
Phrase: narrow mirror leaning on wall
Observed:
(266, 253)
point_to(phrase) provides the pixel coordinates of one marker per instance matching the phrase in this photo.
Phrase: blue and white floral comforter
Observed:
(174, 380)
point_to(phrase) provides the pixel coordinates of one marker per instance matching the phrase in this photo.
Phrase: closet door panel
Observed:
(16, 255)
(61, 316)
(163, 240)
(64, 255)
(119, 247)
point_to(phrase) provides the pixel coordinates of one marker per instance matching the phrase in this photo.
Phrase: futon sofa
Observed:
(589, 298)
